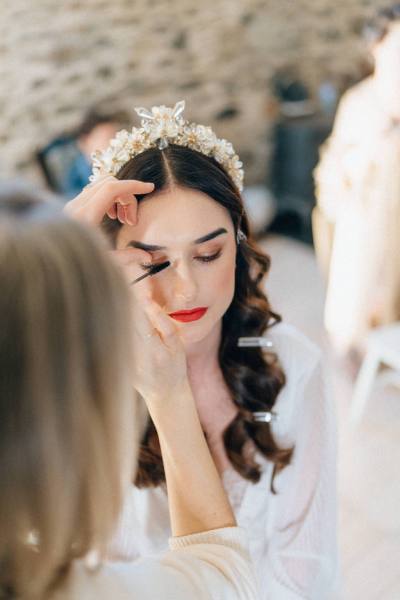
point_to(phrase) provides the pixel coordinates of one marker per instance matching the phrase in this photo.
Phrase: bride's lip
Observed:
(189, 315)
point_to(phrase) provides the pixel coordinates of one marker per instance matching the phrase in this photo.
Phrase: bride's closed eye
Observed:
(209, 257)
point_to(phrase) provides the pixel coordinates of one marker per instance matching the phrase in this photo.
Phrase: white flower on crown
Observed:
(104, 160)
(159, 127)
(223, 148)
(139, 142)
(121, 139)
(188, 136)
(162, 122)
(206, 139)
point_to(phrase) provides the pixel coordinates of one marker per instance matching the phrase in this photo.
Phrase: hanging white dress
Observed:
(358, 190)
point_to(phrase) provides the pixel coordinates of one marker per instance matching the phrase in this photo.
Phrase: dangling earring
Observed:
(240, 236)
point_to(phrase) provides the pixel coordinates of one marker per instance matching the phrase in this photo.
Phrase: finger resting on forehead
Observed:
(130, 210)
(112, 212)
(121, 214)
(126, 189)
(110, 189)
(90, 190)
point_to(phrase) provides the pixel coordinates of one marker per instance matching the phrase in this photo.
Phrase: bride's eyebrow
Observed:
(154, 248)
(210, 236)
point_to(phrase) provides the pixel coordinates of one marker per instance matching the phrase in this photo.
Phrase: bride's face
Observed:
(196, 234)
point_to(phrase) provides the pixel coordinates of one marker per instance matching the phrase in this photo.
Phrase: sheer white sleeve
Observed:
(302, 552)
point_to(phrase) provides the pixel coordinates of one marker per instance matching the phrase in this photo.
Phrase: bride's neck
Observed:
(202, 357)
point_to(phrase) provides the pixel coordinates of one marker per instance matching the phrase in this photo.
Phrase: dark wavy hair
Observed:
(253, 376)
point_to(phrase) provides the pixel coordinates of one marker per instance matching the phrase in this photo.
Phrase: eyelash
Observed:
(204, 259)
(209, 258)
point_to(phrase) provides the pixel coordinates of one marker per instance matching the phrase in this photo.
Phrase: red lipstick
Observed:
(186, 316)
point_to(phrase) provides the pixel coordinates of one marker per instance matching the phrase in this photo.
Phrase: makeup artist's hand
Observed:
(160, 372)
(117, 199)
(110, 196)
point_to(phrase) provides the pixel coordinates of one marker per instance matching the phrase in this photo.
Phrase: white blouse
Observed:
(293, 532)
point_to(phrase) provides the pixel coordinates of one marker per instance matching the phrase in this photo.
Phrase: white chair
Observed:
(383, 348)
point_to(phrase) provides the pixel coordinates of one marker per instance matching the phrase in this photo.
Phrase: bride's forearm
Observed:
(197, 500)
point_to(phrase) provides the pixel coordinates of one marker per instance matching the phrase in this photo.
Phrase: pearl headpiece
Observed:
(160, 127)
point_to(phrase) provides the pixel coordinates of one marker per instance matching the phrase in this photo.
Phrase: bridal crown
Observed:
(160, 127)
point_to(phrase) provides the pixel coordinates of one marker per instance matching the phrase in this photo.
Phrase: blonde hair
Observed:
(66, 403)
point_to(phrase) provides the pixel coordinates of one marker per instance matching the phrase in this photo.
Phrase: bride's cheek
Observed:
(224, 281)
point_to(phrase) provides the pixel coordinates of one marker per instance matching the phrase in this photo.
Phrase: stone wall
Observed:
(58, 57)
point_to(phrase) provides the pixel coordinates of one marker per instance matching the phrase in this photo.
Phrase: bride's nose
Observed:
(185, 283)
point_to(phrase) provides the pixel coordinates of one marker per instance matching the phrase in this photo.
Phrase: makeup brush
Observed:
(153, 271)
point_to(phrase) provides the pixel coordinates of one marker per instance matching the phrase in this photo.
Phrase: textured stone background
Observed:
(59, 57)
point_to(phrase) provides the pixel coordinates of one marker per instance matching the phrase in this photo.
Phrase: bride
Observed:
(257, 383)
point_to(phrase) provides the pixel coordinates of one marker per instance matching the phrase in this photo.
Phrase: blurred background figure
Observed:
(357, 221)
(66, 160)
(302, 123)
(94, 133)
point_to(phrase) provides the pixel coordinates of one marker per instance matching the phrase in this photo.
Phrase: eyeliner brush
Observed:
(152, 271)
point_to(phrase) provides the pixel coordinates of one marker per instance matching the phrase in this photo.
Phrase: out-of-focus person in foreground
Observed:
(69, 421)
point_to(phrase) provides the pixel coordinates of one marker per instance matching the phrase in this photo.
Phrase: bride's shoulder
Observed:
(294, 350)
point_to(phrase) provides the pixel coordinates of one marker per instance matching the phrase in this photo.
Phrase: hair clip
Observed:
(254, 342)
(240, 236)
(265, 417)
